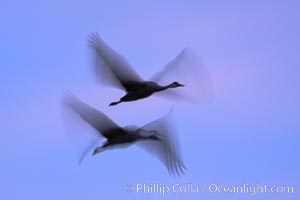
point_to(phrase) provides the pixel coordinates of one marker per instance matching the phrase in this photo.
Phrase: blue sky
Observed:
(248, 134)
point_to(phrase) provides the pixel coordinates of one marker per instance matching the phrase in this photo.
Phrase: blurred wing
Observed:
(110, 67)
(92, 146)
(157, 77)
(186, 68)
(93, 117)
(166, 150)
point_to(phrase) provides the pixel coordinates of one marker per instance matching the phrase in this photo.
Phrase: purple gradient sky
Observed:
(248, 134)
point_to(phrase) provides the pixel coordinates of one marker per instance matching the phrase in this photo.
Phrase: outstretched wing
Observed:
(92, 146)
(111, 68)
(90, 115)
(172, 65)
(186, 68)
(167, 149)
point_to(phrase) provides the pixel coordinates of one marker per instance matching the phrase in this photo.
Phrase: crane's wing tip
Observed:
(171, 110)
(94, 39)
(187, 49)
(94, 34)
(181, 171)
(68, 98)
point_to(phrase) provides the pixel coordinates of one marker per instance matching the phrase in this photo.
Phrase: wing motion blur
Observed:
(90, 115)
(186, 68)
(167, 150)
(111, 68)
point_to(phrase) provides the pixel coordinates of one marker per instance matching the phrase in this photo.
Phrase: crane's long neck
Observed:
(165, 87)
(150, 137)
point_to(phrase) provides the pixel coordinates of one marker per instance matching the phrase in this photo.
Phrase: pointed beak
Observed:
(181, 85)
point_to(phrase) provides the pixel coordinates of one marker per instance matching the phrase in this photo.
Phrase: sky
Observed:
(248, 134)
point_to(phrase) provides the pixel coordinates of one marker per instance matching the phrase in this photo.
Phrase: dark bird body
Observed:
(120, 136)
(155, 134)
(113, 69)
(140, 90)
